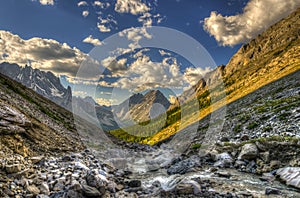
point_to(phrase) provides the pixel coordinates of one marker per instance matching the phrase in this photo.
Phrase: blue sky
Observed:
(63, 21)
(76, 27)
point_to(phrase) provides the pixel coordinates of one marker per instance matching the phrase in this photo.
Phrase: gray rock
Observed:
(44, 189)
(291, 175)
(72, 194)
(96, 180)
(90, 191)
(32, 189)
(36, 159)
(184, 166)
(15, 168)
(223, 160)
(134, 183)
(249, 152)
(126, 194)
(184, 188)
(272, 191)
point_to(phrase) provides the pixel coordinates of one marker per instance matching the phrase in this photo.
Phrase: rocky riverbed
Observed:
(143, 171)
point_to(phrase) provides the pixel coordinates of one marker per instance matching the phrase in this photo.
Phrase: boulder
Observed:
(15, 168)
(184, 166)
(96, 180)
(248, 152)
(134, 183)
(290, 175)
(223, 160)
(272, 191)
(90, 191)
(44, 188)
(32, 189)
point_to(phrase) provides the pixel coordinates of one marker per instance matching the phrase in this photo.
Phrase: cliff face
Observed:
(138, 106)
(31, 124)
(269, 57)
(44, 83)
(273, 54)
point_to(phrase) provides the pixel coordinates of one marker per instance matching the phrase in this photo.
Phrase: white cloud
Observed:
(164, 53)
(82, 3)
(101, 4)
(45, 54)
(133, 7)
(79, 93)
(106, 102)
(103, 28)
(46, 2)
(140, 53)
(85, 13)
(93, 41)
(146, 19)
(135, 35)
(83, 81)
(257, 16)
(193, 75)
(106, 23)
(105, 84)
(144, 74)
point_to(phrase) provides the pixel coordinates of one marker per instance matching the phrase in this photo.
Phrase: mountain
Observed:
(138, 107)
(44, 83)
(49, 86)
(270, 56)
(87, 108)
(33, 125)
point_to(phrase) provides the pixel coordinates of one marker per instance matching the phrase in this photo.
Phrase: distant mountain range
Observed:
(270, 56)
(138, 107)
(44, 83)
(31, 124)
(49, 86)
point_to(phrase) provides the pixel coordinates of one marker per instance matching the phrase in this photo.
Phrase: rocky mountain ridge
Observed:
(32, 124)
(44, 83)
(271, 56)
(139, 107)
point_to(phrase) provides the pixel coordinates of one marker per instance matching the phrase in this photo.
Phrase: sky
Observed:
(58, 35)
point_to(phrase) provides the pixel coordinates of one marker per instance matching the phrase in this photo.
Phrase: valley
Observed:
(233, 134)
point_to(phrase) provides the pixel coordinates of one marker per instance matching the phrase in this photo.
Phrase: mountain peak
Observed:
(44, 83)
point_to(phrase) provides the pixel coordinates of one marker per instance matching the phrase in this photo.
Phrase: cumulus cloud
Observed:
(103, 28)
(193, 75)
(45, 54)
(147, 19)
(140, 53)
(82, 3)
(164, 53)
(106, 23)
(257, 16)
(101, 4)
(133, 7)
(46, 2)
(79, 93)
(135, 35)
(85, 13)
(145, 74)
(91, 40)
(106, 102)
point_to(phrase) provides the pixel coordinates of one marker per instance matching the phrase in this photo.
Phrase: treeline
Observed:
(144, 130)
